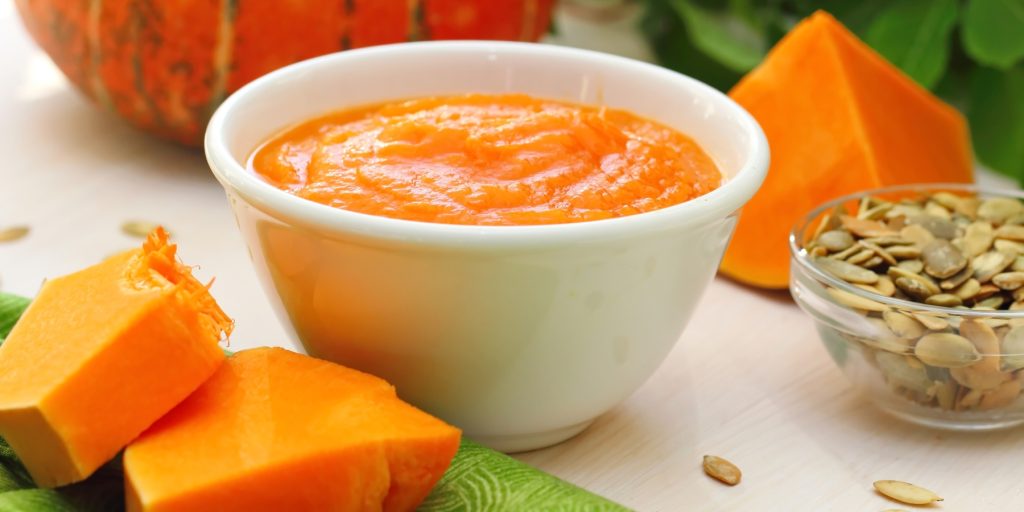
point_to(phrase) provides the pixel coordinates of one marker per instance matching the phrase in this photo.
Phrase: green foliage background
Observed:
(969, 52)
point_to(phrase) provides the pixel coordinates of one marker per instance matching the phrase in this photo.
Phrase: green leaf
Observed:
(997, 119)
(11, 307)
(727, 39)
(672, 46)
(855, 15)
(993, 32)
(483, 479)
(915, 35)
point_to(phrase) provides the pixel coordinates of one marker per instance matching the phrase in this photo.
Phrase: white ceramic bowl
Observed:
(520, 335)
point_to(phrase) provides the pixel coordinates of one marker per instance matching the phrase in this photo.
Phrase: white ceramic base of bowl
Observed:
(527, 442)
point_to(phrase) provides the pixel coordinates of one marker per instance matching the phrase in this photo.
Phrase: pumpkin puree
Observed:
(487, 159)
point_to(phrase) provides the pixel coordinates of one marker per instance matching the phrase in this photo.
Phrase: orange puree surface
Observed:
(487, 159)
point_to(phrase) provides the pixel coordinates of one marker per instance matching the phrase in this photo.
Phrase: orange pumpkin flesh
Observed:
(274, 430)
(839, 119)
(165, 66)
(100, 355)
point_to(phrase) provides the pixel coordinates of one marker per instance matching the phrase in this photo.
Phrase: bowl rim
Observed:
(800, 256)
(729, 197)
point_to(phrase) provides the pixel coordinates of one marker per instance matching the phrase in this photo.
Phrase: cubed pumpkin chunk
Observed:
(839, 118)
(275, 430)
(100, 355)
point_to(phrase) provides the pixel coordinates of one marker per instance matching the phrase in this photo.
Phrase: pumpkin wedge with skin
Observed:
(839, 118)
(275, 430)
(100, 355)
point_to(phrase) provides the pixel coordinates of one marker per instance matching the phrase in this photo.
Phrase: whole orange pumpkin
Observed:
(165, 65)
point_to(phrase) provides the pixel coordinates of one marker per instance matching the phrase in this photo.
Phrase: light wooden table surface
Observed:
(749, 379)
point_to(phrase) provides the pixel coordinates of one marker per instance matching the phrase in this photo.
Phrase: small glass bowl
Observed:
(874, 338)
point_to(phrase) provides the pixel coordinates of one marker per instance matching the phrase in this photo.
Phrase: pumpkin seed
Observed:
(1011, 232)
(835, 240)
(949, 200)
(861, 257)
(875, 212)
(900, 373)
(999, 209)
(846, 271)
(1001, 396)
(982, 336)
(829, 221)
(937, 210)
(888, 241)
(138, 228)
(937, 226)
(902, 325)
(1018, 264)
(941, 259)
(946, 300)
(913, 266)
(906, 493)
(880, 252)
(13, 233)
(866, 228)
(855, 301)
(1012, 348)
(968, 289)
(1009, 246)
(917, 234)
(915, 285)
(846, 253)
(722, 470)
(872, 262)
(933, 323)
(946, 350)
(980, 379)
(957, 279)
(970, 398)
(904, 252)
(1009, 280)
(990, 264)
(945, 394)
(990, 303)
(978, 238)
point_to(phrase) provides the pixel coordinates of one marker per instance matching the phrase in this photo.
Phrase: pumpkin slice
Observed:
(275, 430)
(100, 355)
(839, 118)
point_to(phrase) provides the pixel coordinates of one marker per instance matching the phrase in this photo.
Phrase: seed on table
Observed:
(866, 228)
(946, 300)
(855, 301)
(835, 240)
(946, 350)
(722, 470)
(912, 266)
(999, 209)
(902, 325)
(978, 238)
(13, 233)
(846, 271)
(917, 234)
(904, 492)
(990, 264)
(1012, 232)
(1001, 396)
(1009, 280)
(941, 259)
(937, 226)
